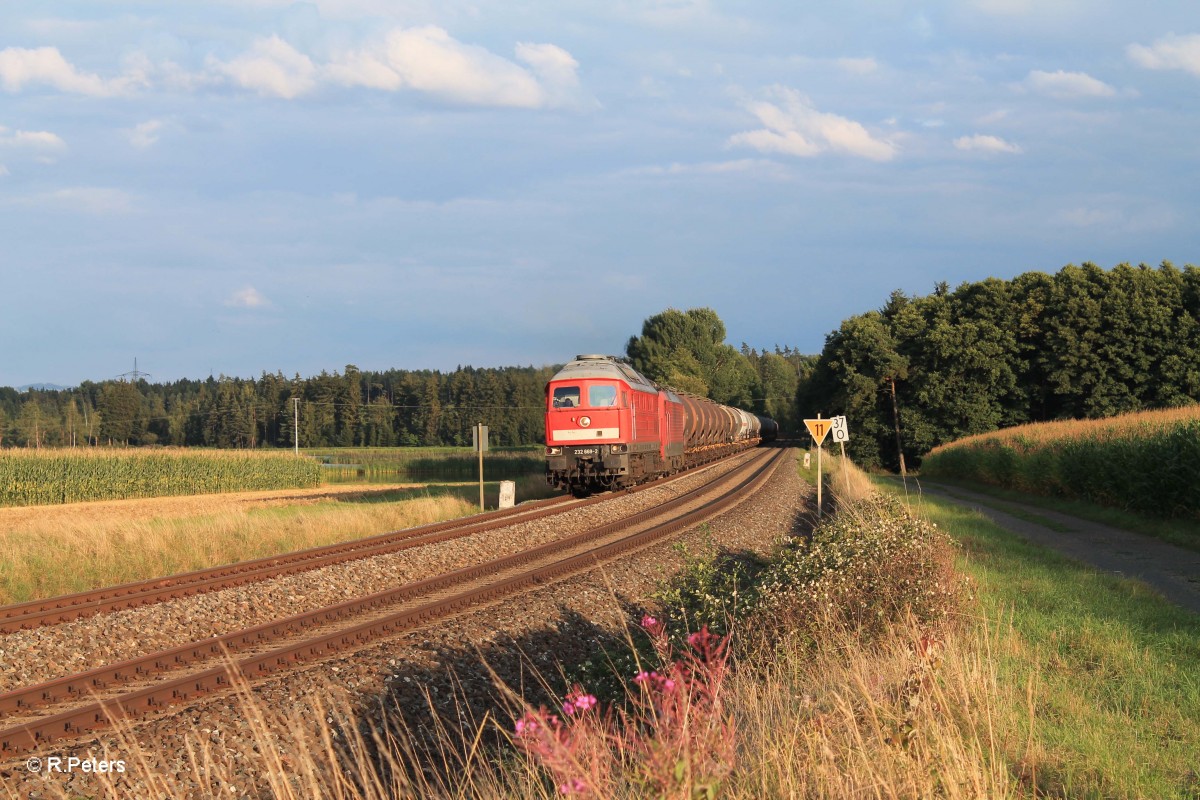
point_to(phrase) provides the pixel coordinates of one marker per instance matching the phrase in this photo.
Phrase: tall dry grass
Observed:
(848, 483)
(44, 558)
(909, 717)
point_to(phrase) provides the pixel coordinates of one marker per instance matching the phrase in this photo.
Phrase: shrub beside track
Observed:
(1147, 462)
(41, 477)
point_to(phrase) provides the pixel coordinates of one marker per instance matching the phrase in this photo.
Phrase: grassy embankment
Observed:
(59, 549)
(860, 666)
(1137, 471)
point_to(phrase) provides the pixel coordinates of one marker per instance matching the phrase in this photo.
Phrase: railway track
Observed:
(74, 705)
(64, 608)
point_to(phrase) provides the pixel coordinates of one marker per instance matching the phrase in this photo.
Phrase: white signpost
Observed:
(840, 431)
(841, 435)
(479, 438)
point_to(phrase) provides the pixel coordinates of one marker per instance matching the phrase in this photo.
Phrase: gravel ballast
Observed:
(448, 666)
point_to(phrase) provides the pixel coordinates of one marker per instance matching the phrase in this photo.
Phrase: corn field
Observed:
(41, 477)
(1147, 462)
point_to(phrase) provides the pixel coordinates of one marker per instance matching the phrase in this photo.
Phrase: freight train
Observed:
(608, 427)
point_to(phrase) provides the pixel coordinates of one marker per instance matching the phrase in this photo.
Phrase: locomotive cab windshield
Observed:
(598, 395)
(566, 396)
(602, 395)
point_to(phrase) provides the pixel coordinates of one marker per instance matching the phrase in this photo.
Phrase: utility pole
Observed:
(296, 424)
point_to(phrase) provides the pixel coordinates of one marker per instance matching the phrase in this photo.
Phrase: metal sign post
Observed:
(841, 435)
(818, 428)
(479, 438)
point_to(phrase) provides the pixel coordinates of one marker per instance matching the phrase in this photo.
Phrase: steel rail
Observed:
(65, 608)
(77, 722)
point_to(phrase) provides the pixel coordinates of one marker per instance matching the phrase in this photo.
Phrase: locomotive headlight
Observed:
(554, 451)
(619, 448)
(585, 421)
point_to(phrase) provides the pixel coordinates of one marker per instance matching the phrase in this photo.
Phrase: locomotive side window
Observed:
(566, 396)
(600, 396)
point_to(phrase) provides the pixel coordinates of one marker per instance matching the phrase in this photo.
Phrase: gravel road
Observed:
(1173, 571)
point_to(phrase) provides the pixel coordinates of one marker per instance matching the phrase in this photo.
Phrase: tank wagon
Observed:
(608, 426)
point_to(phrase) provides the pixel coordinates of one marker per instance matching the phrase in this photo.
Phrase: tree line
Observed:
(1082, 343)
(353, 408)
(356, 408)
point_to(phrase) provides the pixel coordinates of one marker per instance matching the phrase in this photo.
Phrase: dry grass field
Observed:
(58, 549)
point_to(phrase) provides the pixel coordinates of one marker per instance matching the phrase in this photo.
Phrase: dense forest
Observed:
(1082, 343)
(353, 408)
(349, 409)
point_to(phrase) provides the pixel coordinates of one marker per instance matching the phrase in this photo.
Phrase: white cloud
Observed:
(247, 297)
(987, 144)
(146, 133)
(421, 59)
(21, 66)
(272, 67)
(429, 60)
(37, 140)
(556, 69)
(1067, 85)
(1169, 52)
(795, 128)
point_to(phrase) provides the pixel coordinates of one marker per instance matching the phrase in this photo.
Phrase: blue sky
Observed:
(238, 187)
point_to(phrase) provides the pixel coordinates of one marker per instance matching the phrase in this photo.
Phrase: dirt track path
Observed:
(1172, 571)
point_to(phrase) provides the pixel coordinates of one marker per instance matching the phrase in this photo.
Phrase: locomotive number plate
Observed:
(585, 451)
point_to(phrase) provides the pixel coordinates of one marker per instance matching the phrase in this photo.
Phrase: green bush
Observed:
(863, 569)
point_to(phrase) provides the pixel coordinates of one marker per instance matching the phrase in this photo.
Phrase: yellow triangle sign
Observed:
(818, 428)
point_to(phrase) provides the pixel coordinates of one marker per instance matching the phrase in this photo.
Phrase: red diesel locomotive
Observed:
(609, 427)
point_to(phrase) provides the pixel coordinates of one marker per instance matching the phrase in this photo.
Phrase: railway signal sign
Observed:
(818, 428)
(840, 430)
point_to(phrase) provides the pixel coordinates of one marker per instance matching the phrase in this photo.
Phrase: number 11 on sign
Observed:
(818, 428)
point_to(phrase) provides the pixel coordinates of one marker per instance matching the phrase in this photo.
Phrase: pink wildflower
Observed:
(572, 786)
(527, 725)
(649, 622)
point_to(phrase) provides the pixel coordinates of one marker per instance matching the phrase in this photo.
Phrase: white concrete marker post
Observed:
(508, 494)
